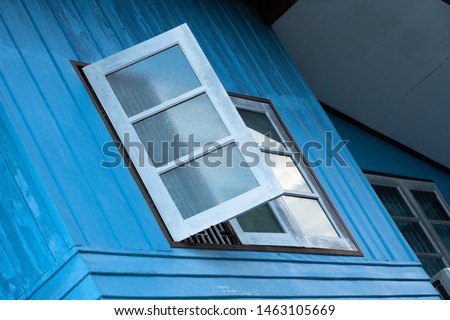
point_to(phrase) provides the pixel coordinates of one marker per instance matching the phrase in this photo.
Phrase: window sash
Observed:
(290, 237)
(178, 227)
(405, 186)
(294, 236)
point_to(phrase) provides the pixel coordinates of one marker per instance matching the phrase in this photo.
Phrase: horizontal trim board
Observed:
(155, 287)
(347, 297)
(268, 277)
(145, 266)
(233, 255)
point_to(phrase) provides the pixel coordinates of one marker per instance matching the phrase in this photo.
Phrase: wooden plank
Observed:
(192, 287)
(55, 237)
(183, 266)
(96, 26)
(10, 285)
(25, 145)
(246, 255)
(236, 35)
(118, 26)
(134, 21)
(20, 229)
(213, 43)
(23, 265)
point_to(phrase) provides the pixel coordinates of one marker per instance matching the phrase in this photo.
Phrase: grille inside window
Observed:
(218, 234)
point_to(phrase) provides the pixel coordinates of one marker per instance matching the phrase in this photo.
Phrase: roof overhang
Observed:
(270, 10)
(383, 63)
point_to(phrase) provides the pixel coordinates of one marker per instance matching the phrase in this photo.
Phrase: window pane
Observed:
(208, 181)
(196, 117)
(310, 217)
(444, 233)
(287, 172)
(432, 265)
(151, 81)
(261, 129)
(393, 201)
(261, 219)
(415, 236)
(430, 205)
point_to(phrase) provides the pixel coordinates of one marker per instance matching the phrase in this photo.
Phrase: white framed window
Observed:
(301, 216)
(162, 90)
(226, 182)
(421, 213)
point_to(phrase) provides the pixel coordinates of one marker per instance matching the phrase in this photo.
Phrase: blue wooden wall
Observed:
(366, 149)
(120, 250)
(33, 241)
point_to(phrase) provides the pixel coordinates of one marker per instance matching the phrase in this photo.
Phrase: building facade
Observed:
(72, 229)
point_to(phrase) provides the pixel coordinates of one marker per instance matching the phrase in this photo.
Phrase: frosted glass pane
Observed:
(261, 219)
(151, 81)
(196, 117)
(430, 205)
(310, 217)
(209, 181)
(393, 201)
(287, 172)
(261, 129)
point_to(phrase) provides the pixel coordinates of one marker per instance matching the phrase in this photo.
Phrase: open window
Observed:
(164, 91)
(302, 216)
(216, 168)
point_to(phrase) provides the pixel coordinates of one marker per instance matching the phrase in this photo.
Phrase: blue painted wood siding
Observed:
(33, 241)
(62, 134)
(366, 149)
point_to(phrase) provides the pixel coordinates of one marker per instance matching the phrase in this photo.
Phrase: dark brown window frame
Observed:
(78, 65)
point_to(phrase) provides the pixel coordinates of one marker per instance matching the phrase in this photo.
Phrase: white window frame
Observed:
(178, 227)
(293, 235)
(404, 186)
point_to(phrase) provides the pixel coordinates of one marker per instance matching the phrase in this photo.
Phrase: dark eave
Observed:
(270, 10)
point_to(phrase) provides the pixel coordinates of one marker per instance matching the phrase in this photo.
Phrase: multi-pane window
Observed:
(219, 170)
(301, 216)
(421, 214)
(163, 96)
